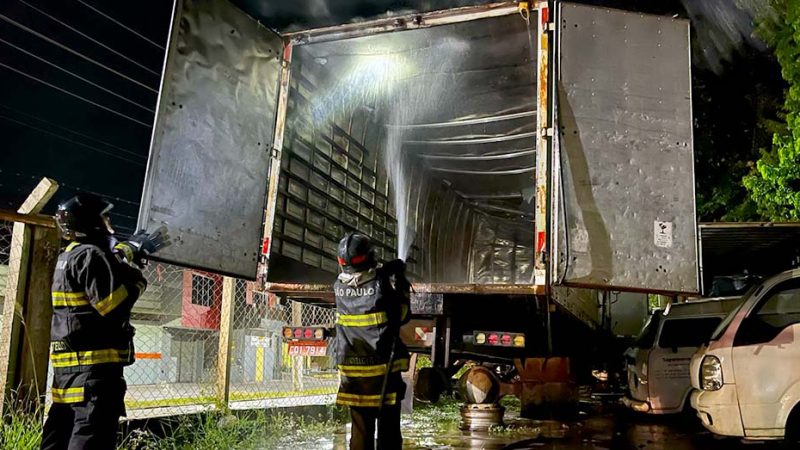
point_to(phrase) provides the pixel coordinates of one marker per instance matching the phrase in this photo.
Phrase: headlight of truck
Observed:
(711, 374)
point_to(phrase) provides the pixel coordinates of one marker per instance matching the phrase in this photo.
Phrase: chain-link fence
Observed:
(263, 372)
(5, 251)
(177, 343)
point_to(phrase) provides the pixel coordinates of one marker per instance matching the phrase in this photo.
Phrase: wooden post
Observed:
(225, 330)
(25, 333)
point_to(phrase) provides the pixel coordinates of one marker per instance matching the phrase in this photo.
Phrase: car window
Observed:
(779, 308)
(647, 337)
(689, 332)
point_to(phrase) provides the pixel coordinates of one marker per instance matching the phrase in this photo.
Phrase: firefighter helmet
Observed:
(356, 253)
(84, 215)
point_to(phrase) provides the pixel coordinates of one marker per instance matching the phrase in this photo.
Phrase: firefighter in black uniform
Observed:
(94, 288)
(372, 302)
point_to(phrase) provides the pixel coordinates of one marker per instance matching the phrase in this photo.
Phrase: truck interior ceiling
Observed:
(422, 139)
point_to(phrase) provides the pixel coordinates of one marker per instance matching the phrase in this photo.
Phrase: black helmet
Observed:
(356, 253)
(84, 215)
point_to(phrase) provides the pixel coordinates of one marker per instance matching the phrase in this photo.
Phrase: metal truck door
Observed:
(623, 157)
(209, 160)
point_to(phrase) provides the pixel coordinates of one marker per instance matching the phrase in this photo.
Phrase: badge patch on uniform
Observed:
(58, 346)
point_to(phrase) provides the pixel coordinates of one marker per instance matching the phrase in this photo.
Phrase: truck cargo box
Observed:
(498, 150)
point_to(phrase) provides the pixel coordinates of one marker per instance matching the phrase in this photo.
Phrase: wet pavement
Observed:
(610, 427)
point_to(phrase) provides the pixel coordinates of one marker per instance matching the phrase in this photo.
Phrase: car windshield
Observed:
(729, 318)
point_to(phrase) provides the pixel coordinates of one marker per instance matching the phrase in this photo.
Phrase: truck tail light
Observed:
(498, 339)
(306, 333)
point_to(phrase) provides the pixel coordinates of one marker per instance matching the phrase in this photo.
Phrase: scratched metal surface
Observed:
(208, 168)
(624, 106)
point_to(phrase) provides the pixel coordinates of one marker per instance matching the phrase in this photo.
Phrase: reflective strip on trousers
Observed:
(67, 395)
(62, 299)
(346, 399)
(89, 358)
(399, 365)
(362, 320)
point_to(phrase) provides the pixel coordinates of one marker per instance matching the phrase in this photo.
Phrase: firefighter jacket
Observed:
(370, 311)
(91, 336)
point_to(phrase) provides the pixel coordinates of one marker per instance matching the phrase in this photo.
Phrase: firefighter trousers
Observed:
(91, 424)
(363, 428)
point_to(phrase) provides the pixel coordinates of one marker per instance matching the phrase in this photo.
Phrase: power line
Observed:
(86, 36)
(33, 55)
(69, 130)
(75, 188)
(76, 53)
(65, 138)
(120, 24)
(76, 95)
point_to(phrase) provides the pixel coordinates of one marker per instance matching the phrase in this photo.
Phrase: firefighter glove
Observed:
(140, 245)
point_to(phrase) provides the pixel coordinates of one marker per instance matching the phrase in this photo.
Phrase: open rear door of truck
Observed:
(623, 159)
(209, 160)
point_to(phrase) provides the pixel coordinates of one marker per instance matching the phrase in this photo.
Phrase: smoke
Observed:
(725, 27)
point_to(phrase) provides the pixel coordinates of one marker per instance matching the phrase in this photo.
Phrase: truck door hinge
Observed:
(547, 131)
(275, 153)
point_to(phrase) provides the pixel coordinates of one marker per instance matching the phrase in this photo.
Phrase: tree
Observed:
(774, 182)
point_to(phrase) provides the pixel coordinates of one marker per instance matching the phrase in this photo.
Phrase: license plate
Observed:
(308, 348)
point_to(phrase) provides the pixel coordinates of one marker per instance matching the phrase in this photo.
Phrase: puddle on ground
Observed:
(430, 435)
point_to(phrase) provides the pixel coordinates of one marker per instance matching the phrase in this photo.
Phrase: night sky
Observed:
(80, 81)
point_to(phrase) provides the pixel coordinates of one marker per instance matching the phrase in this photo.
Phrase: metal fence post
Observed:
(297, 361)
(225, 330)
(25, 333)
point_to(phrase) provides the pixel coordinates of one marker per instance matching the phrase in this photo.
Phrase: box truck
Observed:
(520, 156)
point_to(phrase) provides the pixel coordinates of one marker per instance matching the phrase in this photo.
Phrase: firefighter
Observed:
(372, 301)
(95, 285)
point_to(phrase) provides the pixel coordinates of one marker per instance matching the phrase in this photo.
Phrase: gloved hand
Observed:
(395, 267)
(142, 244)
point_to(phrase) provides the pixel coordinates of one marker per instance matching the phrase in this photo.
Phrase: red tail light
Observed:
(492, 339)
(506, 339)
(298, 333)
(309, 333)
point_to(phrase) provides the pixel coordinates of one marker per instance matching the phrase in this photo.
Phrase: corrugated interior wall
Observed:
(424, 140)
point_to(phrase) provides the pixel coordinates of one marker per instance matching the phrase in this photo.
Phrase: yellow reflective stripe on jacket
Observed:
(69, 299)
(399, 365)
(67, 395)
(362, 320)
(403, 312)
(346, 399)
(113, 300)
(89, 358)
(126, 250)
(72, 245)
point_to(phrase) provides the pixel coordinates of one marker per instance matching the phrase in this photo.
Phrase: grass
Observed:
(21, 431)
(210, 431)
(253, 430)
